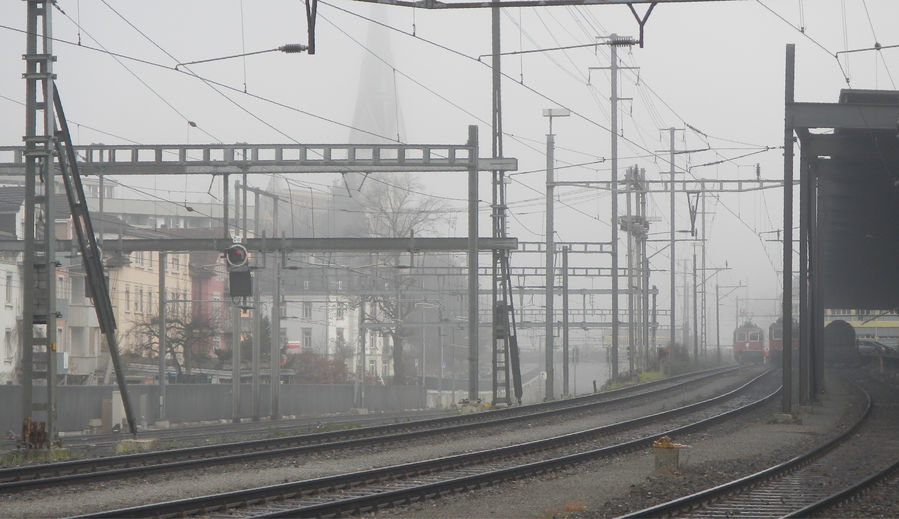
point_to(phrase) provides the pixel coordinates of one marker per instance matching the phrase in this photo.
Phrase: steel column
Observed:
(787, 303)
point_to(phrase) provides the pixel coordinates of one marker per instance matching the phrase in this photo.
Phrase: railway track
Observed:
(201, 434)
(370, 489)
(813, 483)
(115, 467)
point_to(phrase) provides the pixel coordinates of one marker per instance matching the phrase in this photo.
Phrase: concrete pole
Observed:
(256, 343)
(614, 222)
(655, 322)
(225, 206)
(550, 278)
(695, 313)
(629, 178)
(704, 335)
(565, 360)
(163, 258)
(717, 325)
(473, 266)
(440, 348)
(424, 348)
(361, 366)
(671, 245)
(686, 334)
(235, 363)
(275, 346)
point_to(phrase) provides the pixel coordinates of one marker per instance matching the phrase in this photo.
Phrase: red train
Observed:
(776, 341)
(749, 343)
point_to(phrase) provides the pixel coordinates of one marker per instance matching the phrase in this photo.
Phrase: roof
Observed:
(858, 206)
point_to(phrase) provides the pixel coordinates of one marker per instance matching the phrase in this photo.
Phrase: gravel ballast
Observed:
(611, 488)
(134, 491)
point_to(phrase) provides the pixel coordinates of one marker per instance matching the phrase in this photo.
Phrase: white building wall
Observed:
(10, 318)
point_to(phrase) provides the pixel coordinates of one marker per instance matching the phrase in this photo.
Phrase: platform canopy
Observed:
(857, 167)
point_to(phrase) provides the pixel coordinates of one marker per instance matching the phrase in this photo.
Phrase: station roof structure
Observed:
(857, 167)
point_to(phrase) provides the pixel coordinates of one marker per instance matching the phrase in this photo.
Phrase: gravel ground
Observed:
(134, 491)
(611, 488)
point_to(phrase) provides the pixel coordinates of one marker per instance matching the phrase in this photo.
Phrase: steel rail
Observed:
(695, 500)
(847, 493)
(298, 426)
(113, 467)
(231, 500)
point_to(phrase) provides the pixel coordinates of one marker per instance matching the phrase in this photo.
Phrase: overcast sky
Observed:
(715, 66)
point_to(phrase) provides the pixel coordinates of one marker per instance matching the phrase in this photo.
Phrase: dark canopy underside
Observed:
(859, 212)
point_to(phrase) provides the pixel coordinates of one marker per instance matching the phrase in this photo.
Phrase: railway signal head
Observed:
(236, 255)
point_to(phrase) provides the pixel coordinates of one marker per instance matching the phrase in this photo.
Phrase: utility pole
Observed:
(671, 246)
(655, 322)
(550, 270)
(614, 42)
(626, 223)
(686, 334)
(235, 341)
(695, 313)
(705, 332)
(256, 343)
(473, 260)
(275, 351)
(163, 258)
(550, 251)
(718, 326)
(565, 360)
(361, 367)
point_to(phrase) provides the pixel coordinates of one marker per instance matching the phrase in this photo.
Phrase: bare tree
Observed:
(397, 207)
(184, 333)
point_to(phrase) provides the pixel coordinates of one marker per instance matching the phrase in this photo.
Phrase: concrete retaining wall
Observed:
(197, 402)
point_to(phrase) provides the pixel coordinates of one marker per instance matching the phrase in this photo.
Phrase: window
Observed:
(9, 292)
(307, 338)
(176, 262)
(341, 310)
(94, 342)
(77, 288)
(139, 258)
(305, 284)
(372, 366)
(127, 299)
(9, 347)
(339, 284)
(340, 340)
(307, 310)
(140, 301)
